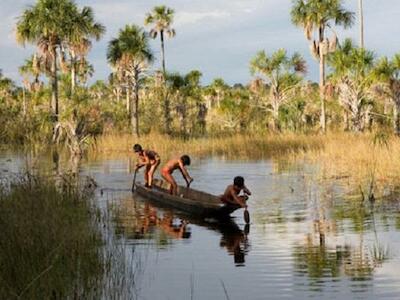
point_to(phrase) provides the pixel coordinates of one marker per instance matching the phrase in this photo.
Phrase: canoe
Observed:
(188, 200)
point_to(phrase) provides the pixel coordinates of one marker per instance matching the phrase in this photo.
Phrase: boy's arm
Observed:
(237, 199)
(142, 161)
(185, 173)
(246, 191)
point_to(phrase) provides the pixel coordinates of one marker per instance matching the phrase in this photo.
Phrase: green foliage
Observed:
(50, 244)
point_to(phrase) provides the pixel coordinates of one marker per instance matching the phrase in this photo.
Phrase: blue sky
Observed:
(217, 37)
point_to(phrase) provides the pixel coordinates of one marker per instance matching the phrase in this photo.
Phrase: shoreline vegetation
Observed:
(367, 163)
(53, 245)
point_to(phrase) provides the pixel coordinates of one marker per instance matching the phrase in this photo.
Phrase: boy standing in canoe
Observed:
(171, 166)
(149, 159)
(231, 194)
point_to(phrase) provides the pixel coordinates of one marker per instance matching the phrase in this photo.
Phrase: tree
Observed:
(162, 17)
(83, 29)
(315, 17)
(31, 71)
(387, 75)
(353, 74)
(215, 92)
(46, 24)
(130, 55)
(361, 16)
(186, 91)
(282, 74)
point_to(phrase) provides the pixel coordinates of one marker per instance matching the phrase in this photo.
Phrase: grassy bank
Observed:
(51, 243)
(367, 163)
(243, 146)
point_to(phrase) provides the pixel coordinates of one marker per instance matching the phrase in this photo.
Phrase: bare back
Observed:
(172, 165)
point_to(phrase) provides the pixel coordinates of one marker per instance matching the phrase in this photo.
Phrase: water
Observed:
(306, 239)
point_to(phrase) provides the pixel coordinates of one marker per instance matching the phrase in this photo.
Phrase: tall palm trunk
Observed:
(396, 119)
(54, 84)
(360, 8)
(275, 109)
(162, 51)
(166, 100)
(322, 81)
(73, 71)
(135, 106)
(24, 102)
(167, 112)
(396, 107)
(128, 98)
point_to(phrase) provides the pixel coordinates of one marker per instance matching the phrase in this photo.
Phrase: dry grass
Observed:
(234, 147)
(368, 164)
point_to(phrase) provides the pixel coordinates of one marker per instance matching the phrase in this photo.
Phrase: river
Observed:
(306, 239)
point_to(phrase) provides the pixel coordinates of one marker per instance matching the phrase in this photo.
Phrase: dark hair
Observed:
(137, 148)
(185, 160)
(238, 181)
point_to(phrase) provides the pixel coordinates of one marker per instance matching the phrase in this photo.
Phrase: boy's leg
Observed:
(146, 175)
(152, 170)
(173, 186)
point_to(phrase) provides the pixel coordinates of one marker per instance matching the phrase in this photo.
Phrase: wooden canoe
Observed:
(188, 200)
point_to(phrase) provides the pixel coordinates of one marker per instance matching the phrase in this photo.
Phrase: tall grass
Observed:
(242, 146)
(52, 245)
(368, 164)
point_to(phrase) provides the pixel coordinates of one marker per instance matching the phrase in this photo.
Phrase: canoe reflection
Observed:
(140, 219)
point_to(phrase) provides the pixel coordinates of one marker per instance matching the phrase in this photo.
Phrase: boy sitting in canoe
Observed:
(231, 195)
(171, 166)
(149, 159)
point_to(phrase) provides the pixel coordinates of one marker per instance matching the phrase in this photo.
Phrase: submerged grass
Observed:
(52, 245)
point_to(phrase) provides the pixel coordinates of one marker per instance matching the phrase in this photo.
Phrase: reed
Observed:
(367, 164)
(242, 146)
(52, 243)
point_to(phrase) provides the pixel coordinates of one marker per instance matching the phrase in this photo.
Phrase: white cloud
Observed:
(185, 17)
(216, 36)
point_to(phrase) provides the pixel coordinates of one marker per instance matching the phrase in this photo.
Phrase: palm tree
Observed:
(282, 74)
(387, 75)
(216, 91)
(353, 74)
(315, 17)
(46, 24)
(130, 54)
(162, 17)
(31, 71)
(83, 29)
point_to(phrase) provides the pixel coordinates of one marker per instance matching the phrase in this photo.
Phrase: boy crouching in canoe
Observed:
(149, 159)
(231, 195)
(171, 166)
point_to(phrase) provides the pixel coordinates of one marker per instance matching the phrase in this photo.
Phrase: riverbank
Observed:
(367, 163)
(241, 146)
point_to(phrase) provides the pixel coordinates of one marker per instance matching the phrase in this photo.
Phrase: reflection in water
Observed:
(139, 219)
(235, 241)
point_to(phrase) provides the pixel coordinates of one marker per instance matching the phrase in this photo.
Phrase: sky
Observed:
(217, 37)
